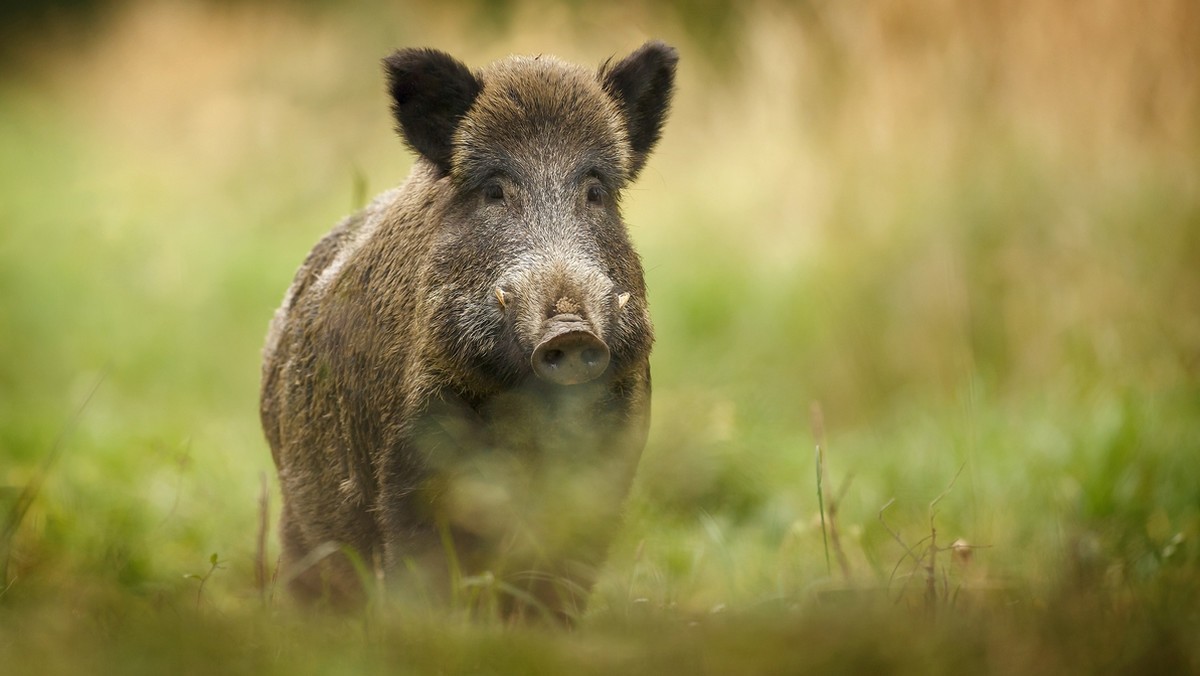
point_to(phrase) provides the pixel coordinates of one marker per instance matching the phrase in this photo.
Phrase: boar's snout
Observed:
(569, 353)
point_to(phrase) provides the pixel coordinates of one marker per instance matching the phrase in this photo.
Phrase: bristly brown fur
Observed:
(398, 396)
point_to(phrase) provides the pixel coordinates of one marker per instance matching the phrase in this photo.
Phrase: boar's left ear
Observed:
(431, 92)
(642, 84)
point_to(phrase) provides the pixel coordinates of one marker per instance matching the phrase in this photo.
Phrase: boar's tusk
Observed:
(501, 297)
(622, 300)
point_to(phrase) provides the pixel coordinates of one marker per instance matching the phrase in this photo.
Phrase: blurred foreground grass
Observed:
(971, 234)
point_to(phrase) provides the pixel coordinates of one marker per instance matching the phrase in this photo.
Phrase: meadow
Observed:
(956, 246)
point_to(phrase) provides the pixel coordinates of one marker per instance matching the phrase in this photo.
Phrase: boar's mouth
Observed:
(569, 352)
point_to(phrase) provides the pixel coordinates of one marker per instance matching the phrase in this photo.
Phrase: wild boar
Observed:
(458, 380)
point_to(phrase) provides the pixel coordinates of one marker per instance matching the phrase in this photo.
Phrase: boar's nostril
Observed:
(591, 356)
(570, 357)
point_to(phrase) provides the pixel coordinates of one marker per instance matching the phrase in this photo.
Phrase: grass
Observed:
(971, 243)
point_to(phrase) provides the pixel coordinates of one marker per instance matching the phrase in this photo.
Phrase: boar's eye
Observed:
(595, 195)
(493, 193)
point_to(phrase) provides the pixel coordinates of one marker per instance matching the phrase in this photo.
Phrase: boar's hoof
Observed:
(570, 355)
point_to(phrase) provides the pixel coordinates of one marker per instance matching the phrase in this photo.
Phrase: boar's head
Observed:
(532, 275)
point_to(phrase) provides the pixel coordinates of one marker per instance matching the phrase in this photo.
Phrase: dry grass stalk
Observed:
(926, 561)
(829, 529)
(260, 552)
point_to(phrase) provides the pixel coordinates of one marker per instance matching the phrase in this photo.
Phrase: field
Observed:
(956, 246)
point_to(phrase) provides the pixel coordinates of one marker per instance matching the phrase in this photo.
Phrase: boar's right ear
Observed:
(431, 92)
(642, 84)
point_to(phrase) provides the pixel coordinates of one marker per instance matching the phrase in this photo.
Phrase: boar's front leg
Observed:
(475, 493)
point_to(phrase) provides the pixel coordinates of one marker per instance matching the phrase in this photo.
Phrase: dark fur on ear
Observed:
(431, 91)
(642, 84)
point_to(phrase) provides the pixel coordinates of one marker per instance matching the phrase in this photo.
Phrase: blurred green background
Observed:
(968, 232)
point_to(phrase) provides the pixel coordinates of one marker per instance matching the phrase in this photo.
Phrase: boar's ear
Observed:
(431, 91)
(642, 84)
